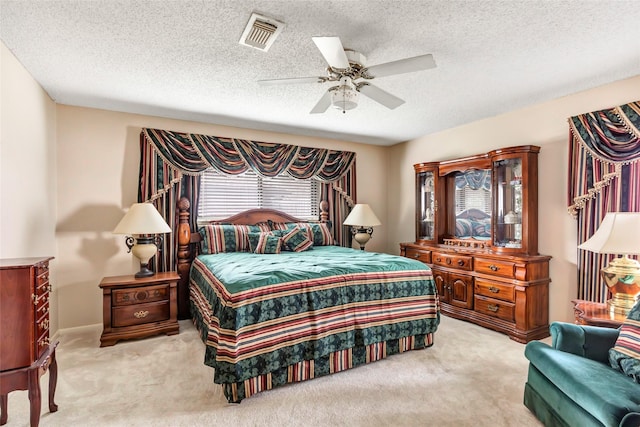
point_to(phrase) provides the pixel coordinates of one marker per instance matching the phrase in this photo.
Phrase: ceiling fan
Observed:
(348, 69)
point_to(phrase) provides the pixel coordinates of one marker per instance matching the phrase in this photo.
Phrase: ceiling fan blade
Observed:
(292, 80)
(408, 65)
(333, 51)
(323, 104)
(381, 96)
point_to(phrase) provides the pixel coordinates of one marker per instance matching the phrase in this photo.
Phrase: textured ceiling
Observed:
(182, 59)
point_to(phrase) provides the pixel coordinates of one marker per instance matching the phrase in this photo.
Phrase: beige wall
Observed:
(27, 166)
(544, 125)
(98, 157)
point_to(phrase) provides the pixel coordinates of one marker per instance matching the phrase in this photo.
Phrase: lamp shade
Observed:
(142, 218)
(362, 215)
(619, 233)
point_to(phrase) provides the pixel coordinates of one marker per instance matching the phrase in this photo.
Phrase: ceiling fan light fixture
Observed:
(345, 96)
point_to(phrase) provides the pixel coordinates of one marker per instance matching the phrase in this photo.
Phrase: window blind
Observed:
(223, 195)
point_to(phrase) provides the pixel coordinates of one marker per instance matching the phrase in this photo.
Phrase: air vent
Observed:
(261, 31)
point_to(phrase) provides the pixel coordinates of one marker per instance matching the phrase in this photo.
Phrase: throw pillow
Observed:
(218, 238)
(267, 244)
(625, 354)
(297, 240)
(319, 232)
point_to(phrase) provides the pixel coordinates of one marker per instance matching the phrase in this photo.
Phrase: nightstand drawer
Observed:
(495, 268)
(460, 262)
(496, 308)
(139, 295)
(140, 313)
(501, 291)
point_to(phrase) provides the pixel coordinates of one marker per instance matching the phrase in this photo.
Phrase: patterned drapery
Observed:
(171, 163)
(604, 176)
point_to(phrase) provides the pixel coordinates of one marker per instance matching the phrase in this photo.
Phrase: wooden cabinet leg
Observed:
(53, 380)
(3, 409)
(34, 397)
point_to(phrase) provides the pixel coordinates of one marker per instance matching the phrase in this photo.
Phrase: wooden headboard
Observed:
(189, 240)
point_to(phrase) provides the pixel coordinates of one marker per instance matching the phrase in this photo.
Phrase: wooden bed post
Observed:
(184, 258)
(324, 211)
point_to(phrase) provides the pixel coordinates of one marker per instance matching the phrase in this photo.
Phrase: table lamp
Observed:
(362, 220)
(619, 234)
(142, 224)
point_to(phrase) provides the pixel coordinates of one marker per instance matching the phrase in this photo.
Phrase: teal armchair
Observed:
(571, 383)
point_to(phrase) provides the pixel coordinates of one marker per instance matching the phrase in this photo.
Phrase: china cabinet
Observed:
(477, 228)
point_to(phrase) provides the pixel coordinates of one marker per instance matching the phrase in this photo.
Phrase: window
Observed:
(468, 198)
(223, 195)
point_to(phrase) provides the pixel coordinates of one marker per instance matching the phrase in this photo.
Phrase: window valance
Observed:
(191, 154)
(603, 142)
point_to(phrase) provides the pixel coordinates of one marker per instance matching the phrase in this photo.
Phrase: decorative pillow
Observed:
(218, 238)
(283, 225)
(267, 244)
(297, 240)
(463, 227)
(625, 355)
(319, 233)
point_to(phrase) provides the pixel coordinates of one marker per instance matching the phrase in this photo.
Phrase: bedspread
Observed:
(261, 313)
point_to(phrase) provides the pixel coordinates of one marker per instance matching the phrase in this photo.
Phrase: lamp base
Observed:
(622, 277)
(362, 235)
(144, 272)
(144, 249)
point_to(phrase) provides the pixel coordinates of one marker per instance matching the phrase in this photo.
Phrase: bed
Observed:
(298, 311)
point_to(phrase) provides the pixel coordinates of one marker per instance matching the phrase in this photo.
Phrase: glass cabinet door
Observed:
(507, 231)
(426, 204)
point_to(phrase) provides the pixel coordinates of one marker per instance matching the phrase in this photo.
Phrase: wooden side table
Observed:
(596, 314)
(137, 308)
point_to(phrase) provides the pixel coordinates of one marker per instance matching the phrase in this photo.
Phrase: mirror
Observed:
(472, 195)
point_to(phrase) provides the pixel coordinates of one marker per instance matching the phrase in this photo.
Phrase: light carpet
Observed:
(471, 376)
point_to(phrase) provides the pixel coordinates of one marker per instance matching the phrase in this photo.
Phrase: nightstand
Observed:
(137, 308)
(596, 314)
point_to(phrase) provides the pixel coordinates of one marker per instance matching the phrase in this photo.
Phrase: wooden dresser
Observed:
(477, 228)
(25, 349)
(137, 308)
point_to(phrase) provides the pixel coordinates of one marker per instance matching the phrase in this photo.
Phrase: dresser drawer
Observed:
(42, 343)
(128, 296)
(42, 325)
(461, 262)
(502, 291)
(140, 313)
(496, 308)
(419, 254)
(42, 268)
(495, 268)
(42, 306)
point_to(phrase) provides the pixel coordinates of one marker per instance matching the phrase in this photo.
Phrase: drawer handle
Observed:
(141, 314)
(460, 262)
(448, 261)
(493, 307)
(439, 259)
(416, 256)
(494, 267)
(494, 289)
